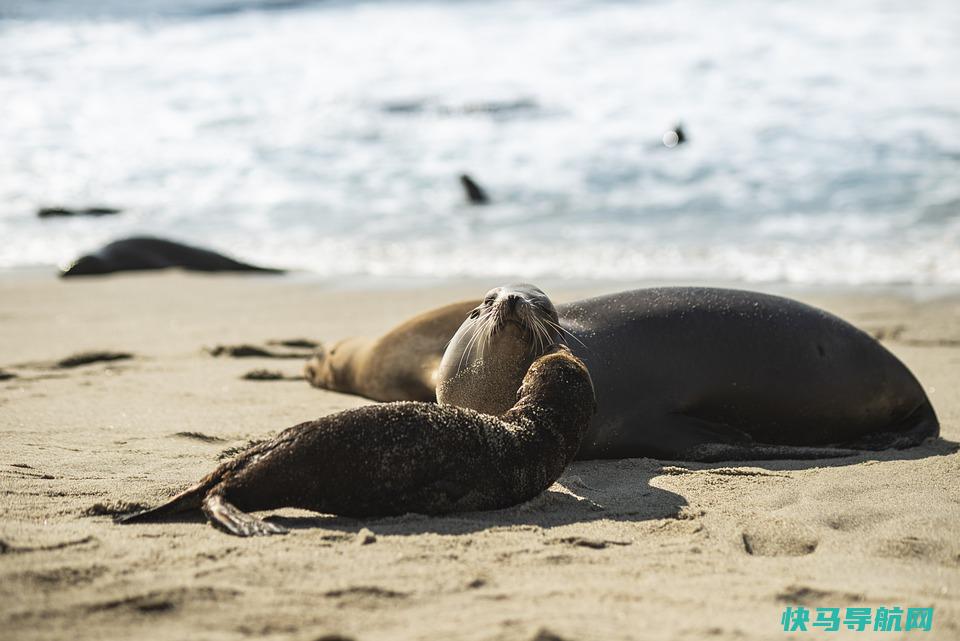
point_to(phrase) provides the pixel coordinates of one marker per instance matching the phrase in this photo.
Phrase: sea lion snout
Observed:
(317, 370)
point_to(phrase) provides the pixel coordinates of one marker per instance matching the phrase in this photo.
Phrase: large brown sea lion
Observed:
(146, 253)
(685, 373)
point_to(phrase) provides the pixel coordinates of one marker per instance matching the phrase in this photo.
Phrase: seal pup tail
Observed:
(187, 501)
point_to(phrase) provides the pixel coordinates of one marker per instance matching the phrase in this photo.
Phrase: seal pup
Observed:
(692, 373)
(143, 253)
(474, 193)
(394, 458)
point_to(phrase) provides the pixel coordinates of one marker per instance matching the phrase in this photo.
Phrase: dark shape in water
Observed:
(62, 212)
(681, 136)
(475, 194)
(674, 137)
(499, 106)
(145, 253)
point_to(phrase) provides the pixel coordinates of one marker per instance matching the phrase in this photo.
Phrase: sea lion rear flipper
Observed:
(684, 437)
(715, 452)
(230, 519)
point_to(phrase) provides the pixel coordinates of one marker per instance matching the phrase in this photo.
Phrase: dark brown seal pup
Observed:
(389, 459)
(143, 252)
(686, 373)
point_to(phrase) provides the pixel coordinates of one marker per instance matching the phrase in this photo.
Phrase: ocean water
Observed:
(823, 137)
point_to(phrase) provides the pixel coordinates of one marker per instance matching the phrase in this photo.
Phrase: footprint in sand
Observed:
(921, 549)
(198, 436)
(779, 537)
(88, 358)
(804, 595)
(364, 596)
(158, 601)
(269, 375)
(79, 359)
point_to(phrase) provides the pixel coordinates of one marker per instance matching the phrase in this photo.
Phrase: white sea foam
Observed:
(824, 138)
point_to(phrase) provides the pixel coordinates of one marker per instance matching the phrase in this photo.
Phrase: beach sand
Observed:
(630, 549)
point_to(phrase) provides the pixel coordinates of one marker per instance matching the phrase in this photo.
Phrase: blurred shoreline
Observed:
(370, 283)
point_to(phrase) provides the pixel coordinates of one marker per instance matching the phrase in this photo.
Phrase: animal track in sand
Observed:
(73, 361)
(199, 436)
(913, 547)
(9, 548)
(895, 334)
(113, 508)
(594, 544)
(301, 343)
(246, 350)
(674, 470)
(269, 375)
(159, 601)
(88, 358)
(803, 595)
(780, 537)
(20, 470)
(364, 596)
(62, 577)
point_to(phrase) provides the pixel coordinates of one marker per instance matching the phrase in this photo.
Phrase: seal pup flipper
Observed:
(186, 501)
(227, 517)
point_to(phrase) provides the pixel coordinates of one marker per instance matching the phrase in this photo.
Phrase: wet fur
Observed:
(394, 458)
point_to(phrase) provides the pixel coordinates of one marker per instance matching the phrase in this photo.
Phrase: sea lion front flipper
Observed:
(227, 517)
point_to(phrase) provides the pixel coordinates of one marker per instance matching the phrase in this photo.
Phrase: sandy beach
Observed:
(630, 549)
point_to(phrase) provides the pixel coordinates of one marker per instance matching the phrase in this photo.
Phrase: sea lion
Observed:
(399, 366)
(691, 373)
(394, 458)
(142, 253)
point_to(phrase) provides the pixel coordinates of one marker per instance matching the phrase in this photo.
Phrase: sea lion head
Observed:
(333, 369)
(86, 266)
(486, 360)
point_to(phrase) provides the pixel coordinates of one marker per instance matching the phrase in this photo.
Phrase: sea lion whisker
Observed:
(541, 335)
(468, 349)
(563, 330)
